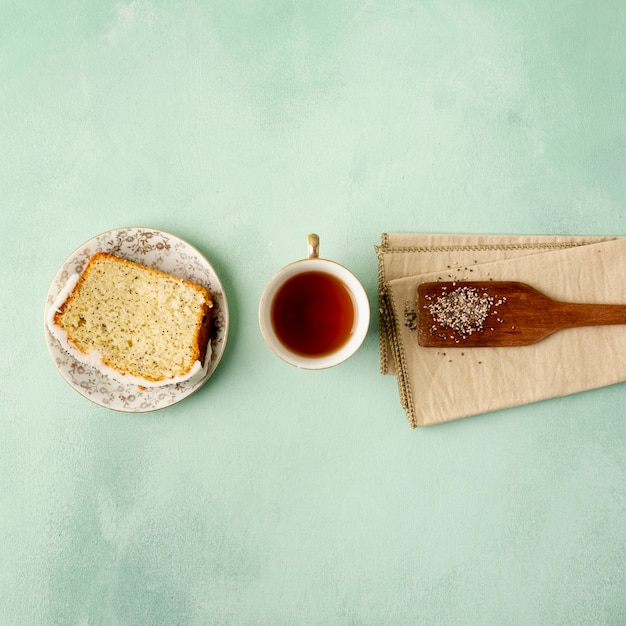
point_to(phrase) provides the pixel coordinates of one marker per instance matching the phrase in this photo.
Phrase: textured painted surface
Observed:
(275, 496)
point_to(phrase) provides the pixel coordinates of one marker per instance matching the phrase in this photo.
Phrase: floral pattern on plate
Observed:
(161, 251)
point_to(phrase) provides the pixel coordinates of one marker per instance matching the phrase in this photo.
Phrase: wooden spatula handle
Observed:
(573, 315)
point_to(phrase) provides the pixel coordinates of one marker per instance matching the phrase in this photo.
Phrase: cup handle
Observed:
(314, 246)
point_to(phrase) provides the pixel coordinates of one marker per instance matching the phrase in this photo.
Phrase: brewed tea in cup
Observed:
(314, 313)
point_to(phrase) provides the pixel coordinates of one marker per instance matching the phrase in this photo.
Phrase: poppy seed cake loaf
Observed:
(134, 323)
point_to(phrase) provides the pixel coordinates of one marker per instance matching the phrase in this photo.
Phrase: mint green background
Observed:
(276, 496)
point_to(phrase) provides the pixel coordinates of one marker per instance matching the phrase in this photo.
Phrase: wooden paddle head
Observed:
(482, 314)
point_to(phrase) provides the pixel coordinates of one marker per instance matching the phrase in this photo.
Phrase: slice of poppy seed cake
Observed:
(134, 323)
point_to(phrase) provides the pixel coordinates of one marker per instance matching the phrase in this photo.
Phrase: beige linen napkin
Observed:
(443, 385)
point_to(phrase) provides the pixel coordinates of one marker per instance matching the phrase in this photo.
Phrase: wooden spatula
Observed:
(494, 313)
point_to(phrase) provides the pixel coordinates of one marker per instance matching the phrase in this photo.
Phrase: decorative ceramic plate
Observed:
(160, 251)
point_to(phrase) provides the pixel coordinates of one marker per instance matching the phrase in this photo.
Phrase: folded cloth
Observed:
(439, 385)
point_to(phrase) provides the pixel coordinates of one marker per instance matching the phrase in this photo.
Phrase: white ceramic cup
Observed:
(360, 306)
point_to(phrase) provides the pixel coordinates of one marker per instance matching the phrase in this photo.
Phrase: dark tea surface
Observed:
(313, 314)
